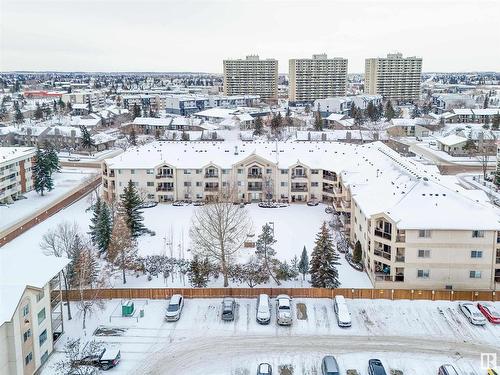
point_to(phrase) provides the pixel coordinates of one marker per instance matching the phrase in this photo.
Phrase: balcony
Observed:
(299, 188)
(337, 190)
(294, 176)
(254, 175)
(401, 238)
(328, 190)
(383, 254)
(346, 205)
(211, 188)
(380, 276)
(382, 234)
(211, 175)
(254, 188)
(164, 175)
(329, 177)
(112, 173)
(165, 188)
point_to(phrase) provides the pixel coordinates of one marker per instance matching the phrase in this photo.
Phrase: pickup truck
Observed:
(104, 360)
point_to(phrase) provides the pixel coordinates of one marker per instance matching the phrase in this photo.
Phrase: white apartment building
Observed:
(343, 104)
(30, 311)
(95, 98)
(15, 172)
(251, 76)
(394, 77)
(317, 78)
(417, 229)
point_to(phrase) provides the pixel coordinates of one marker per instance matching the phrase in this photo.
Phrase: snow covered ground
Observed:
(415, 337)
(295, 226)
(64, 182)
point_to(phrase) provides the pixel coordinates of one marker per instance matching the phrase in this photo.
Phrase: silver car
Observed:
(472, 313)
(284, 310)
(174, 308)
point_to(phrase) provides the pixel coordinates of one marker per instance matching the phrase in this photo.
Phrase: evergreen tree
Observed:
(122, 251)
(265, 252)
(357, 253)
(259, 127)
(69, 106)
(371, 111)
(87, 142)
(276, 123)
(415, 112)
(133, 137)
(318, 121)
(18, 115)
(199, 272)
(495, 123)
(136, 111)
(470, 146)
(89, 106)
(380, 110)
(42, 173)
(51, 157)
(130, 209)
(486, 101)
(38, 112)
(304, 263)
(389, 111)
(307, 109)
(324, 258)
(497, 175)
(61, 104)
(101, 226)
(358, 115)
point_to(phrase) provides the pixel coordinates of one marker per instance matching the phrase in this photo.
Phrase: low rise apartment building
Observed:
(15, 172)
(417, 229)
(30, 311)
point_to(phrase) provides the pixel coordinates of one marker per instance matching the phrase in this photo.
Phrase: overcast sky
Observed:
(196, 35)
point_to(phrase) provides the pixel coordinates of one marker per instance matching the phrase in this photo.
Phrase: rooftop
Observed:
(11, 153)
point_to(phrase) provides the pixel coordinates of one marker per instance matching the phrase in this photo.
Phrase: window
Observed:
(151, 196)
(424, 233)
(26, 310)
(44, 357)
(314, 184)
(314, 171)
(198, 171)
(27, 335)
(28, 358)
(43, 337)
(284, 183)
(132, 171)
(41, 316)
(424, 253)
(240, 183)
(187, 171)
(423, 274)
(225, 171)
(284, 171)
(477, 233)
(40, 296)
(476, 254)
(475, 274)
(187, 183)
(149, 171)
(269, 171)
(240, 171)
(198, 183)
(150, 183)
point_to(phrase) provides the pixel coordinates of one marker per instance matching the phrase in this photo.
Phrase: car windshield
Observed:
(284, 307)
(173, 307)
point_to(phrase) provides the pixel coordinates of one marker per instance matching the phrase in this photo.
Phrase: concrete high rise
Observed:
(317, 78)
(394, 77)
(251, 76)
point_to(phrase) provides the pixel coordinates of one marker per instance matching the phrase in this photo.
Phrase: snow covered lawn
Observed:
(64, 182)
(295, 226)
(413, 336)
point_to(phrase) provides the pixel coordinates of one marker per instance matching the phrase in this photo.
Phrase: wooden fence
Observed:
(392, 294)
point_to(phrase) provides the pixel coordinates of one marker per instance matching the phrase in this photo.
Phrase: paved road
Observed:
(193, 354)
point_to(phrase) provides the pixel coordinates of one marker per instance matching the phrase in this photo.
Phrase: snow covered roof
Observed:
(451, 140)
(11, 153)
(336, 117)
(87, 121)
(152, 121)
(16, 274)
(462, 111)
(217, 112)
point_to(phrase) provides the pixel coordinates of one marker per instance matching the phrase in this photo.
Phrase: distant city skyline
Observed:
(196, 36)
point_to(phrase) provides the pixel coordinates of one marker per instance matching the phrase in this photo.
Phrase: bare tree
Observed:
(218, 230)
(122, 252)
(74, 351)
(484, 152)
(59, 242)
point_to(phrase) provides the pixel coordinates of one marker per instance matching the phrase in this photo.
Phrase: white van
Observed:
(263, 314)
(341, 312)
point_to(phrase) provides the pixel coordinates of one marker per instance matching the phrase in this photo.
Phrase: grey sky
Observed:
(196, 35)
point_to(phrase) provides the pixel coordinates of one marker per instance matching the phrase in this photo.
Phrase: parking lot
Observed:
(412, 336)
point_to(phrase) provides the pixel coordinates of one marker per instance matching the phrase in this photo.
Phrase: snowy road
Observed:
(204, 355)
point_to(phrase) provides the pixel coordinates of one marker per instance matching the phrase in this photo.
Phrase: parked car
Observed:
(375, 367)
(104, 360)
(312, 202)
(341, 312)
(447, 370)
(329, 366)
(489, 312)
(178, 203)
(174, 308)
(74, 158)
(263, 313)
(264, 369)
(198, 203)
(283, 310)
(228, 308)
(472, 313)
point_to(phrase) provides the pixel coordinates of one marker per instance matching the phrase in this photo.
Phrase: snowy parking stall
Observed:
(415, 337)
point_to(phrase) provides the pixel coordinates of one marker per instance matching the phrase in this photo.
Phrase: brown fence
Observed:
(23, 226)
(392, 294)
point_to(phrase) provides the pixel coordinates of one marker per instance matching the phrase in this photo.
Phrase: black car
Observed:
(105, 360)
(375, 367)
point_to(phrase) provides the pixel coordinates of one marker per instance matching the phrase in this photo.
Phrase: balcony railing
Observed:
(165, 175)
(400, 258)
(165, 188)
(211, 188)
(211, 175)
(382, 254)
(299, 188)
(383, 234)
(382, 277)
(345, 204)
(254, 175)
(299, 175)
(330, 191)
(400, 238)
(255, 188)
(329, 178)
